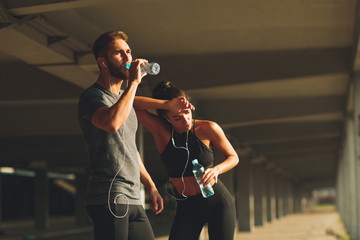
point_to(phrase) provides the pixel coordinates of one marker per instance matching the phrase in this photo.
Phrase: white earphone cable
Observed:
(117, 173)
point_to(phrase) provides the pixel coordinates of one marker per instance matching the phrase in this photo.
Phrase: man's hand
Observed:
(157, 204)
(179, 104)
(135, 70)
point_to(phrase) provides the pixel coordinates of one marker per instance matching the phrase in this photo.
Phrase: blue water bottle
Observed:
(198, 171)
(149, 68)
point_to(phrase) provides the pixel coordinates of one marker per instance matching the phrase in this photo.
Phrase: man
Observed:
(109, 125)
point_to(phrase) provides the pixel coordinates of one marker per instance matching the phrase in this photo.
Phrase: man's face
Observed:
(118, 55)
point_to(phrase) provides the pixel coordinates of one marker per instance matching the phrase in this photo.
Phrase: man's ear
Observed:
(101, 62)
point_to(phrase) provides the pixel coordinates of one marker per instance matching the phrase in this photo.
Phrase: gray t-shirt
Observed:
(109, 152)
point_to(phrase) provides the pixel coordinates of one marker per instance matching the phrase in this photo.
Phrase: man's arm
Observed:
(157, 204)
(110, 119)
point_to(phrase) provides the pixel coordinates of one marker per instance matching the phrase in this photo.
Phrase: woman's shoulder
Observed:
(205, 125)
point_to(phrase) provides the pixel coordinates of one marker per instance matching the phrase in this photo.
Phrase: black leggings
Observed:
(218, 211)
(134, 226)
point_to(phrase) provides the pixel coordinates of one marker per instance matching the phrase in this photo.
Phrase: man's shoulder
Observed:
(91, 92)
(93, 89)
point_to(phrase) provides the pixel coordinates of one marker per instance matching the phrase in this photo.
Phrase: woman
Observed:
(181, 139)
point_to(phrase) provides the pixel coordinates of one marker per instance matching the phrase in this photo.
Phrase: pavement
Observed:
(321, 223)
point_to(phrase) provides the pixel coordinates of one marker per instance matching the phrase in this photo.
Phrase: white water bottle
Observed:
(149, 68)
(198, 171)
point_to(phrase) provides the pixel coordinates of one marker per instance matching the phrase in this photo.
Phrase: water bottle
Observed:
(198, 171)
(149, 68)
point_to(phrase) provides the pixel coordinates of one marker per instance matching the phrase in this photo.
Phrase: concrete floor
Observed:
(315, 225)
(321, 223)
(318, 224)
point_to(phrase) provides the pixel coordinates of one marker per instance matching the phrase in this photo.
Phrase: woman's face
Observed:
(182, 122)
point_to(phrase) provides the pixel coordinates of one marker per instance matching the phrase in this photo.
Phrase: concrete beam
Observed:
(43, 144)
(296, 145)
(28, 44)
(287, 132)
(31, 46)
(306, 158)
(324, 172)
(20, 7)
(258, 110)
(286, 152)
(72, 73)
(65, 153)
(45, 118)
(36, 86)
(253, 66)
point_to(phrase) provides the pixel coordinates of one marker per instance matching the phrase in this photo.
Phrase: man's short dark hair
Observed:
(100, 45)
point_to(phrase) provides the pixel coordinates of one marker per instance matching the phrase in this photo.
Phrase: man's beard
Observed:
(118, 72)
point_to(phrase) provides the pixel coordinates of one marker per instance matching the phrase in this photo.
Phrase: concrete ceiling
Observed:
(274, 74)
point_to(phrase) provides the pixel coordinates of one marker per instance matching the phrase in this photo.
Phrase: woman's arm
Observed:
(155, 124)
(174, 105)
(218, 139)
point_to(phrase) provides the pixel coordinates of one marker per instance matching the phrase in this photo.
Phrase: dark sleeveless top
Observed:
(174, 159)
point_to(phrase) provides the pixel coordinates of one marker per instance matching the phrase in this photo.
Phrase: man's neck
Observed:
(110, 83)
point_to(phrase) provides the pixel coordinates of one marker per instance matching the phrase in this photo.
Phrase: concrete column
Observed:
(244, 198)
(290, 198)
(285, 196)
(41, 200)
(353, 205)
(340, 187)
(297, 199)
(1, 229)
(81, 216)
(356, 105)
(260, 195)
(271, 196)
(279, 196)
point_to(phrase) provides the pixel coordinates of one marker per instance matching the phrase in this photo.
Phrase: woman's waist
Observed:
(187, 186)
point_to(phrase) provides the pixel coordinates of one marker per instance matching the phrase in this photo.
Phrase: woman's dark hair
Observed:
(165, 90)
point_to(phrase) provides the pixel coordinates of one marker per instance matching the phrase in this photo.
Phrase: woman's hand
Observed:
(179, 104)
(210, 176)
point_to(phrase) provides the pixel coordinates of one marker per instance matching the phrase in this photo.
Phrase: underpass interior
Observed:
(280, 78)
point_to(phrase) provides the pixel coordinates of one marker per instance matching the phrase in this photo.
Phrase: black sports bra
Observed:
(175, 156)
